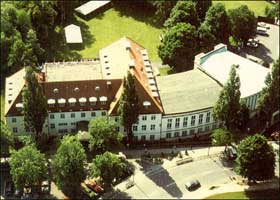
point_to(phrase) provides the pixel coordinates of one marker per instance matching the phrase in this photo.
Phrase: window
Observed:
(62, 124)
(72, 115)
(208, 117)
(93, 114)
(176, 134)
(207, 128)
(193, 120)
(143, 137)
(15, 130)
(62, 116)
(184, 133)
(103, 102)
(14, 120)
(82, 103)
(93, 103)
(192, 131)
(153, 127)
(134, 128)
(83, 114)
(200, 119)
(214, 126)
(62, 131)
(103, 113)
(185, 122)
(51, 116)
(73, 123)
(73, 130)
(52, 126)
(200, 130)
(144, 117)
(144, 127)
(116, 119)
(153, 117)
(177, 122)
(169, 123)
(168, 135)
(152, 137)
(135, 138)
(72, 104)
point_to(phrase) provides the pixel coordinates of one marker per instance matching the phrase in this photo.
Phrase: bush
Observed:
(180, 155)
(186, 152)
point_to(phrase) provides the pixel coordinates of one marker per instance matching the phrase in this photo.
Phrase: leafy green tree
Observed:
(7, 140)
(34, 104)
(28, 167)
(23, 23)
(179, 46)
(68, 165)
(202, 7)
(129, 106)
(107, 166)
(206, 38)
(243, 23)
(244, 115)
(104, 134)
(221, 137)
(216, 18)
(227, 108)
(255, 158)
(272, 12)
(183, 12)
(269, 99)
(163, 9)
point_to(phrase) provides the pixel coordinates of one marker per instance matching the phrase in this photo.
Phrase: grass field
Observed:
(111, 26)
(261, 195)
(257, 6)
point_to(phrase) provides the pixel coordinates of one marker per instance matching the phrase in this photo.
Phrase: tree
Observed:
(163, 9)
(255, 158)
(202, 7)
(179, 46)
(269, 99)
(104, 134)
(222, 137)
(216, 18)
(68, 165)
(272, 12)
(34, 104)
(28, 167)
(206, 38)
(227, 108)
(183, 11)
(107, 166)
(7, 140)
(129, 107)
(243, 23)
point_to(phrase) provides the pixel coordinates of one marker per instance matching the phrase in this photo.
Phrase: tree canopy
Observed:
(179, 46)
(243, 23)
(206, 38)
(227, 108)
(68, 165)
(202, 7)
(104, 134)
(34, 104)
(107, 166)
(221, 137)
(255, 158)
(7, 140)
(28, 167)
(183, 12)
(129, 106)
(163, 9)
(217, 19)
(269, 98)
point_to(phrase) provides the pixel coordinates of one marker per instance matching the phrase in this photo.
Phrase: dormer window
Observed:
(55, 90)
(97, 88)
(131, 64)
(76, 89)
(146, 104)
(61, 102)
(82, 101)
(103, 100)
(93, 101)
(19, 106)
(72, 101)
(51, 102)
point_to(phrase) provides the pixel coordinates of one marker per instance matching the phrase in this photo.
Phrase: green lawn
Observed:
(257, 6)
(166, 71)
(261, 195)
(111, 26)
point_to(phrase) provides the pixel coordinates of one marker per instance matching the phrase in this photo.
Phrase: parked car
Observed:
(262, 24)
(261, 31)
(87, 191)
(192, 185)
(91, 183)
(252, 43)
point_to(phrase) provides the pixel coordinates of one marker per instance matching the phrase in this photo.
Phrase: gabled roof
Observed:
(73, 34)
(90, 6)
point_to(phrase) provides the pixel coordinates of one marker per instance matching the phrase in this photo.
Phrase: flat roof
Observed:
(252, 75)
(73, 34)
(90, 6)
(72, 71)
(187, 91)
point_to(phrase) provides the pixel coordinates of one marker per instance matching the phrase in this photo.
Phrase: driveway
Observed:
(268, 49)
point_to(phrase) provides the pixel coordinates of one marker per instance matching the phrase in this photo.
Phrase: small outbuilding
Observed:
(73, 34)
(91, 6)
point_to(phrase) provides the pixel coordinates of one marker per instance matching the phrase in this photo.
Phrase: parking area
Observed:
(268, 49)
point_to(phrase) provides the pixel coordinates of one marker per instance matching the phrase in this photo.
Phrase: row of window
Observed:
(185, 120)
(144, 127)
(144, 117)
(81, 104)
(82, 114)
(143, 137)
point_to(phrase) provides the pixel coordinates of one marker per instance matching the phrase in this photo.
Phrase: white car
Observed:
(262, 24)
(252, 43)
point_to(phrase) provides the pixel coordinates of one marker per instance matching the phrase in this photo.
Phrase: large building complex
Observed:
(173, 106)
